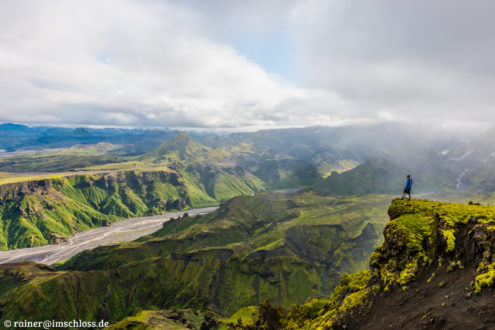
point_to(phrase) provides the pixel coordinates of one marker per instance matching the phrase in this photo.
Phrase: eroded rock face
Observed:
(474, 243)
(178, 204)
(15, 191)
(106, 223)
(55, 238)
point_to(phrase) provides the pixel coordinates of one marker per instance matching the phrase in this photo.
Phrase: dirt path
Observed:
(122, 231)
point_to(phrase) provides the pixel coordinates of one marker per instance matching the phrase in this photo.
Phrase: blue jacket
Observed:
(409, 184)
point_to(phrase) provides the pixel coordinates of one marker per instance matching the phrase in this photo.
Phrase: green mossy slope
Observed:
(268, 246)
(48, 211)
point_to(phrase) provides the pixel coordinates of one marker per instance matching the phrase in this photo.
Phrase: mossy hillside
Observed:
(183, 148)
(244, 316)
(36, 213)
(423, 237)
(115, 294)
(234, 222)
(480, 178)
(18, 274)
(255, 248)
(41, 214)
(374, 176)
(423, 232)
(350, 293)
(219, 184)
(265, 222)
(288, 173)
(320, 313)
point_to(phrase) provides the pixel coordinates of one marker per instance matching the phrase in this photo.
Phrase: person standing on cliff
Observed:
(408, 187)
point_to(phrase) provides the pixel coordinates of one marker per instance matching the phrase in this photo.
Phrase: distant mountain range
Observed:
(353, 159)
(15, 137)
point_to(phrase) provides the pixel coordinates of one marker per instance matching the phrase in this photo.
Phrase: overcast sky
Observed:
(246, 64)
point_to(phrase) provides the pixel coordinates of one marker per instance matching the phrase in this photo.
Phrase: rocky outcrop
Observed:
(15, 191)
(55, 238)
(176, 204)
(440, 276)
(435, 270)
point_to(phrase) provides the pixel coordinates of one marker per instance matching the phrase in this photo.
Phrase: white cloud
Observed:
(124, 62)
(173, 63)
(417, 59)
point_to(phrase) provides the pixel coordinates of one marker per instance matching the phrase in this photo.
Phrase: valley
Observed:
(119, 232)
(40, 212)
(189, 172)
(269, 246)
(280, 261)
(89, 221)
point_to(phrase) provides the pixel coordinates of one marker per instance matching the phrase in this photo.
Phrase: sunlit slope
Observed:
(286, 248)
(46, 211)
